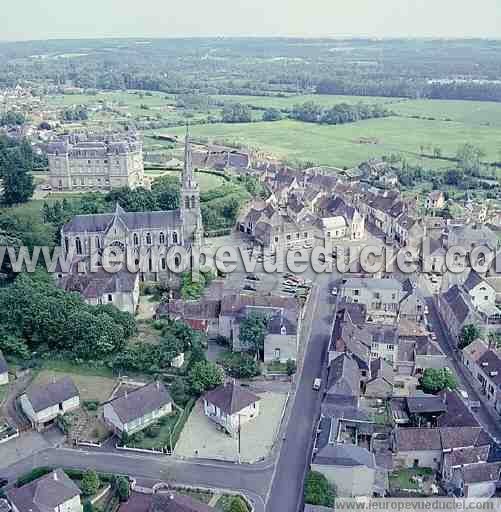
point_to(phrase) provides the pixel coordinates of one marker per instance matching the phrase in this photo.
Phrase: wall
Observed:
(426, 458)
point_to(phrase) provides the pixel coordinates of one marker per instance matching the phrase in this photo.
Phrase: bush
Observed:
(241, 366)
(33, 475)
(91, 405)
(123, 488)
(90, 483)
(318, 491)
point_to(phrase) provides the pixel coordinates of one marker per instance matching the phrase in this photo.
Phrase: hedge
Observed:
(74, 474)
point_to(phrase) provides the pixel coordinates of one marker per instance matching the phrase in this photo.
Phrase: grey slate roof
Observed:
(490, 363)
(425, 404)
(373, 283)
(231, 398)
(344, 377)
(472, 280)
(381, 369)
(459, 437)
(173, 502)
(458, 302)
(42, 397)
(96, 284)
(140, 402)
(458, 414)
(345, 455)
(464, 456)
(44, 493)
(96, 223)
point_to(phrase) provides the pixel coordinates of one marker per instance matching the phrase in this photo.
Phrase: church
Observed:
(141, 232)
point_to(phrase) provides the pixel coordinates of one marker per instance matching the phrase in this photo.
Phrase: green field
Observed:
(343, 145)
(206, 181)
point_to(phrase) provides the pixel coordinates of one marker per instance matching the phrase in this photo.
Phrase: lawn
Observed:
(91, 387)
(157, 436)
(402, 479)
(343, 145)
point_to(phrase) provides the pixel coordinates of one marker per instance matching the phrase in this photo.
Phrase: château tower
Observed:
(191, 216)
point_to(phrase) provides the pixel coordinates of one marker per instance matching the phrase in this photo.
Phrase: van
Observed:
(316, 384)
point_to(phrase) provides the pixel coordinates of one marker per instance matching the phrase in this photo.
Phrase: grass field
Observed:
(90, 387)
(341, 145)
(206, 181)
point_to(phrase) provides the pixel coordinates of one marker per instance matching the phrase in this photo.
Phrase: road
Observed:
(286, 490)
(251, 480)
(487, 420)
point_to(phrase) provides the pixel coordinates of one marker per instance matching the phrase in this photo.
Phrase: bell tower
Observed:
(191, 215)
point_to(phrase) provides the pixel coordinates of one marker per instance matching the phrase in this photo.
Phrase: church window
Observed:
(186, 202)
(163, 263)
(162, 238)
(148, 238)
(174, 238)
(66, 244)
(98, 242)
(136, 239)
(78, 245)
(177, 260)
(193, 201)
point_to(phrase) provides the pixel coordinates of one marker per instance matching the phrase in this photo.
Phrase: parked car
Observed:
(317, 383)
(307, 245)
(249, 288)
(252, 277)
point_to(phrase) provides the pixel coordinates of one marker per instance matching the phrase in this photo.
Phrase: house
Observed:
(54, 492)
(343, 383)
(417, 448)
(485, 365)
(120, 289)
(477, 480)
(469, 236)
(163, 502)
(381, 296)
(457, 310)
(428, 354)
(352, 469)
(380, 383)
(283, 323)
(412, 306)
(44, 404)
(435, 200)
(482, 294)
(384, 341)
(339, 220)
(136, 410)
(434, 255)
(4, 370)
(230, 406)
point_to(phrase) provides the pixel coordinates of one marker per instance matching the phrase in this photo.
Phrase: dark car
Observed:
(252, 277)
(249, 288)
(3, 482)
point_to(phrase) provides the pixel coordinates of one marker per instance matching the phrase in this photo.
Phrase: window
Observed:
(78, 245)
(356, 292)
(148, 238)
(110, 297)
(163, 263)
(66, 244)
(277, 353)
(136, 239)
(276, 239)
(162, 238)
(98, 242)
(297, 236)
(390, 347)
(187, 202)
(305, 234)
(288, 237)
(174, 238)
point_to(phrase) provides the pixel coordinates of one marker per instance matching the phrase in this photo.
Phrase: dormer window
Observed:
(161, 238)
(148, 238)
(136, 239)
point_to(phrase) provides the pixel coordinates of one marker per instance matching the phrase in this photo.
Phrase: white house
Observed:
(138, 409)
(4, 370)
(230, 406)
(42, 405)
(54, 492)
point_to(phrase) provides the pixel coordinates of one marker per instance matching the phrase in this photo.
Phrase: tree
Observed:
(469, 333)
(90, 483)
(123, 488)
(318, 490)
(252, 332)
(236, 113)
(469, 159)
(290, 367)
(180, 391)
(272, 114)
(241, 366)
(16, 164)
(205, 376)
(433, 381)
(87, 506)
(237, 504)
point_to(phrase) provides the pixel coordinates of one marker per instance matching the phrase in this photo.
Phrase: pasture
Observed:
(349, 144)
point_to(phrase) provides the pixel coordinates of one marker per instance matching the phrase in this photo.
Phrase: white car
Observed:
(317, 383)
(334, 291)
(307, 245)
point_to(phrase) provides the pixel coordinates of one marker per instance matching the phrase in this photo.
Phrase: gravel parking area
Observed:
(201, 438)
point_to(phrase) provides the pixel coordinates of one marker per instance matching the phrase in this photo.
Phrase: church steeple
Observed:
(190, 198)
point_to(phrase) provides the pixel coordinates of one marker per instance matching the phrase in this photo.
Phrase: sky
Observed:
(43, 19)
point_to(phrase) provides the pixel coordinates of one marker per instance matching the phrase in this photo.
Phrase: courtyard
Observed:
(202, 439)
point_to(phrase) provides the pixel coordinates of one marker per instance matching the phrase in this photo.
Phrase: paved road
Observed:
(251, 480)
(490, 422)
(287, 486)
